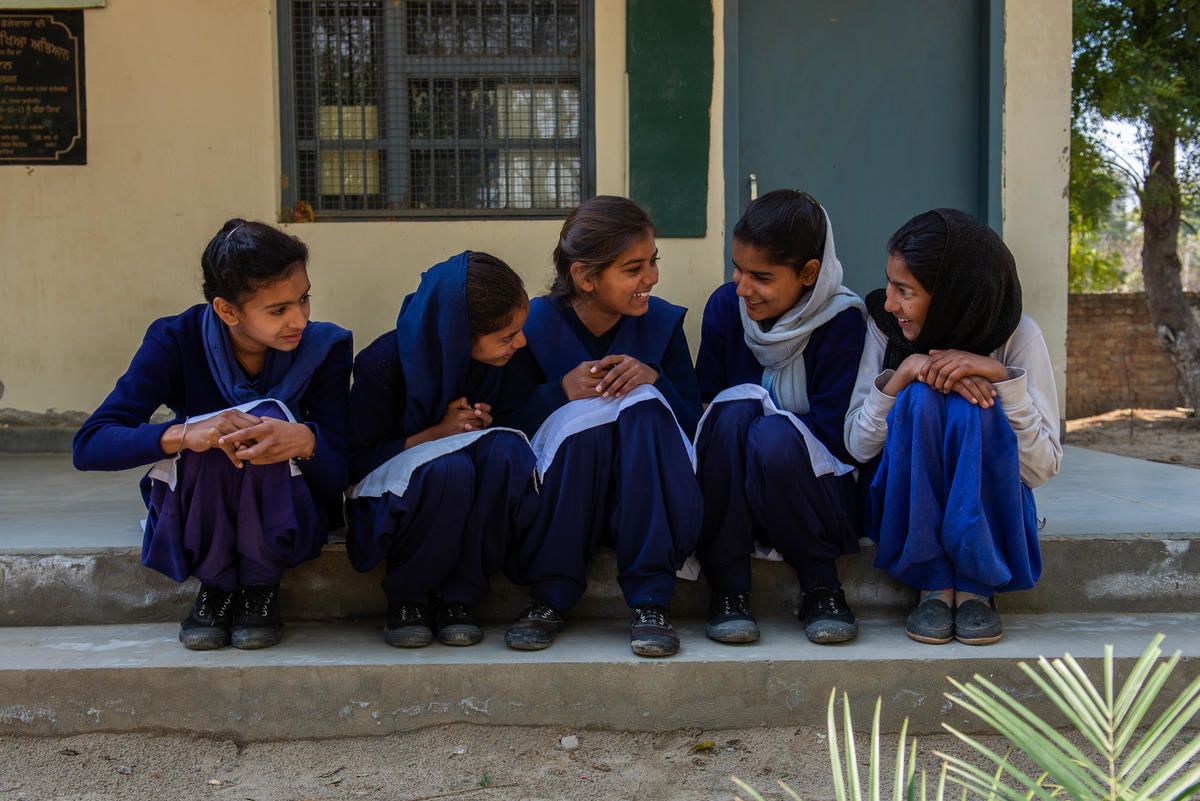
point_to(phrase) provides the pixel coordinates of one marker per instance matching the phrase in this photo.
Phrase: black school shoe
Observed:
(456, 626)
(650, 632)
(976, 622)
(207, 625)
(256, 619)
(729, 619)
(932, 622)
(827, 617)
(407, 625)
(535, 628)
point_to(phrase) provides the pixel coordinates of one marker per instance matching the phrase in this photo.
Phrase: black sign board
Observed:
(43, 117)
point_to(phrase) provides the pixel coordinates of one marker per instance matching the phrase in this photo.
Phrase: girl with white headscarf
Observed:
(779, 349)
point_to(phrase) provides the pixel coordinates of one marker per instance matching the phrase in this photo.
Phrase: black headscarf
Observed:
(976, 297)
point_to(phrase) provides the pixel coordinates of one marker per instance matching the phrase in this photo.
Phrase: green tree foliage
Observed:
(1139, 61)
(1094, 189)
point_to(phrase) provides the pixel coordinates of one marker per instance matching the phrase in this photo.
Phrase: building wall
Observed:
(1114, 358)
(183, 129)
(184, 133)
(1037, 117)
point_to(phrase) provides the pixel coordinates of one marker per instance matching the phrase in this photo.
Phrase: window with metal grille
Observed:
(428, 108)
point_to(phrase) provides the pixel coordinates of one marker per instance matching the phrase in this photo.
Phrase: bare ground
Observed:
(462, 761)
(1159, 435)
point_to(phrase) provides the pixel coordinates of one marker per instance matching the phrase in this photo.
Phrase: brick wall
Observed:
(1113, 357)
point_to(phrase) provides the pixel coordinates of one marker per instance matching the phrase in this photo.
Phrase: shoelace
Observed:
(650, 616)
(734, 605)
(258, 602)
(827, 604)
(410, 612)
(456, 611)
(204, 608)
(540, 612)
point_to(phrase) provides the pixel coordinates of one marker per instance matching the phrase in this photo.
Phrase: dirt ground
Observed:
(1159, 435)
(462, 761)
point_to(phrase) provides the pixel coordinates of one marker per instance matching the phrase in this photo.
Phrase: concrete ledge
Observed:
(35, 440)
(340, 681)
(1081, 575)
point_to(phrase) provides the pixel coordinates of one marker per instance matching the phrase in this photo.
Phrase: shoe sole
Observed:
(460, 636)
(520, 643)
(204, 639)
(254, 640)
(828, 634)
(736, 634)
(402, 638)
(980, 640)
(653, 648)
(928, 640)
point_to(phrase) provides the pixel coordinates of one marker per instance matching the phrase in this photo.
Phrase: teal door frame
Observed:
(991, 123)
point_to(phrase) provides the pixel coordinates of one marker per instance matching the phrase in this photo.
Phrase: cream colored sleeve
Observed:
(1030, 402)
(866, 420)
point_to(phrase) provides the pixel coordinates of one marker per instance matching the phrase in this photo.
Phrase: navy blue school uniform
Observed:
(448, 528)
(627, 484)
(755, 469)
(226, 526)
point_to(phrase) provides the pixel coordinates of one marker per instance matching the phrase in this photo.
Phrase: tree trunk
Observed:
(1177, 327)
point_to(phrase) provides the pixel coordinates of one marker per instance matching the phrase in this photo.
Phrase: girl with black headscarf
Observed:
(956, 411)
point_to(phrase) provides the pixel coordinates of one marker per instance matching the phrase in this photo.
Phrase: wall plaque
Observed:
(43, 115)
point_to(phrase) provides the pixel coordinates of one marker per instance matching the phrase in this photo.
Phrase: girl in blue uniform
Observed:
(248, 476)
(439, 491)
(955, 401)
(607, 385)
(778, 351)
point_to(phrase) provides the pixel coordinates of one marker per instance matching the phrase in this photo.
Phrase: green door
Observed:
(880, 109)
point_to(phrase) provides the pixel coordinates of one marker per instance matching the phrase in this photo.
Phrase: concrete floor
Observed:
(46, 505)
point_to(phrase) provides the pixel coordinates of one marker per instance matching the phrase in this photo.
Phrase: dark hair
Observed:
(787, 225)
(921, 242)
(594, 234)
(494, 292)
(244, 256)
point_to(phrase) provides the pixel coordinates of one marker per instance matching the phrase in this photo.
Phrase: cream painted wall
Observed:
(1037, 114)
(183, 133)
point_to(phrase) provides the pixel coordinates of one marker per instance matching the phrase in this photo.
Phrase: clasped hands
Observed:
(969, 374)
(611, 377)
(243, 438)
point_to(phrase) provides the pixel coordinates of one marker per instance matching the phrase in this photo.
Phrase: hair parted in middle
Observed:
(594, 234)
(787, 225)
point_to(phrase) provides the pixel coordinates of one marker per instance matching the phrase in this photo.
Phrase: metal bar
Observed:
(337, 24)
(318, 58)
(362, 109)
(458, 187)
(288, 109)
(481, 192)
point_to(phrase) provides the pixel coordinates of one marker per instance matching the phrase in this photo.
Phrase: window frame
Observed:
(399, 142)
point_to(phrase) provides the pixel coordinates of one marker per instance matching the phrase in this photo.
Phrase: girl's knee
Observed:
(269, 408)
(502, 447)
(774, 442)
(732, 418)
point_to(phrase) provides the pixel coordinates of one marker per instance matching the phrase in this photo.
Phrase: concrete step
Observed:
(340, 680)
(1121, 537)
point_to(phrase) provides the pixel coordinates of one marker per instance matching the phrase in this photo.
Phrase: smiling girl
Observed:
(250, 471)
(440, 492)
(778, 350)
(608, 386)
(955, 395)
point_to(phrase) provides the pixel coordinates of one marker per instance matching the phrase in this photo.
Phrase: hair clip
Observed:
(231, 233)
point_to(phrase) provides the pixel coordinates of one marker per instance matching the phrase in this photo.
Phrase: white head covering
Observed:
(781, 350)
